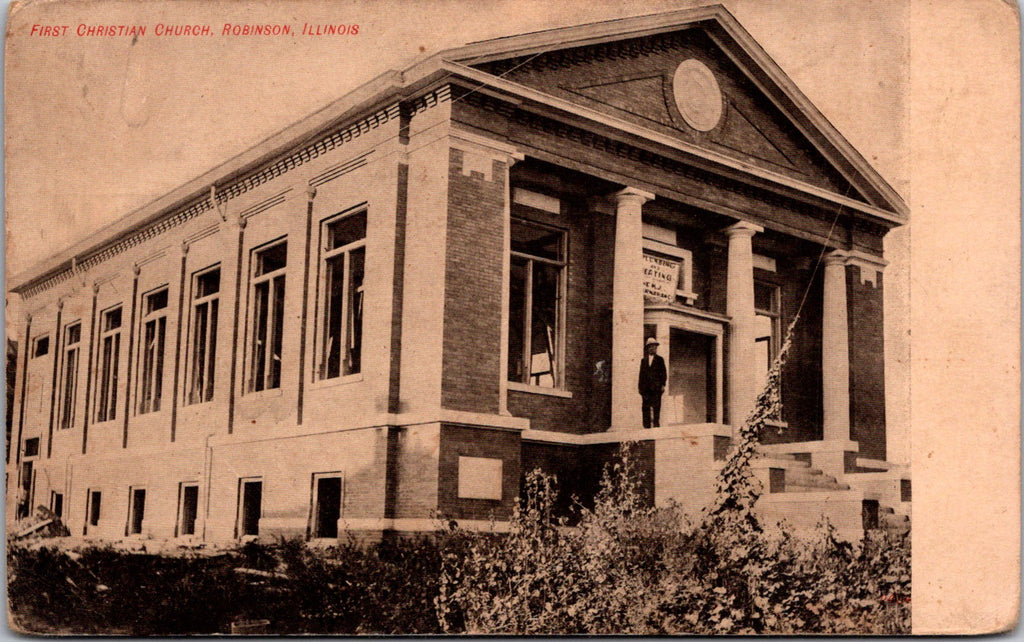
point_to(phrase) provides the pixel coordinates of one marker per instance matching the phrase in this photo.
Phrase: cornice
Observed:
(551, 127)
(233, 189)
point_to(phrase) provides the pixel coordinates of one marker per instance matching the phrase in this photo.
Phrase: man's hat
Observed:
(651, 341)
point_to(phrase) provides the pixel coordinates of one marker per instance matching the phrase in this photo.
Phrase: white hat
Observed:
(651, 341)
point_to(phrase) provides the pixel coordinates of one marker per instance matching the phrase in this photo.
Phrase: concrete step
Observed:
(812, 478)
(772, 461)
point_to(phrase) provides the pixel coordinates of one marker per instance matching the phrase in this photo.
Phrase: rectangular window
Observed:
(344, 262)
(32, 447)
(767, 332)
(250, 506)
(69, 375)
(136, 510)
(536, 284)
(188, 508)
(110, 349)
(203, 342)
(268, 272)
(41, 346)
(93, 498)
(154, 335)
(326, 505)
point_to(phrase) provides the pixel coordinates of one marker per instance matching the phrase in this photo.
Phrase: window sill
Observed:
(336, 381)
(775, 423)
(268, 393)
(539, 390)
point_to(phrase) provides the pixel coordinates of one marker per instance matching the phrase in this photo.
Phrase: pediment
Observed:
(636, 79)
(739, 131)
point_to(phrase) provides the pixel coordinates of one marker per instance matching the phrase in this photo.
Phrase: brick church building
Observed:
(391, 310)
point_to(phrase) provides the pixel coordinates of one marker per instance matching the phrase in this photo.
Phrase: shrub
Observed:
(632, 569)
(385, 588)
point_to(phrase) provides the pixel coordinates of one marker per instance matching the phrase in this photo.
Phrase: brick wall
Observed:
(466, 441)
(867, 364)
(559, 460)
(594, 458)
(578, 469)
(414, 452)
(472, 311)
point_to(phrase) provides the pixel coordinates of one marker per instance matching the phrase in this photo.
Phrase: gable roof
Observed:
(744, 51)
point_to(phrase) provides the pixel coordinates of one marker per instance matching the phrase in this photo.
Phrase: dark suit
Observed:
(651, 385)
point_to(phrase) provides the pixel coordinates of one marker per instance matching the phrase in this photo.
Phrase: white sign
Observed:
(661, 278)
(480, 478)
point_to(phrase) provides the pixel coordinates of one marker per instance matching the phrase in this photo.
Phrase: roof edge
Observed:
(392, 84)
(833, 141)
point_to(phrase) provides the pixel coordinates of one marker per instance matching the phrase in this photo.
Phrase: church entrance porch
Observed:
(691, 345)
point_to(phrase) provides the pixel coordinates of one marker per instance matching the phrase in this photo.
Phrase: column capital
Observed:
(836, 257)
(742, 228)
(632, 193)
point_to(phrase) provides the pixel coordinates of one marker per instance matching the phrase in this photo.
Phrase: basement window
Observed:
(136, 510)
(250, 506)
(92, 508)
(57, 504)
(268, 281)
(326, 505)
(188, 508)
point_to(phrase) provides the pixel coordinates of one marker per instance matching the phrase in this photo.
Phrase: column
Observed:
(627, 308)
(741, 376)
(835, 350)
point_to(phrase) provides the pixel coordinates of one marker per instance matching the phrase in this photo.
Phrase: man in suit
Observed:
(652, 383)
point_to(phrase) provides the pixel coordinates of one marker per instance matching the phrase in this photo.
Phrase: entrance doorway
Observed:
(691, 368)
(691, 345)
